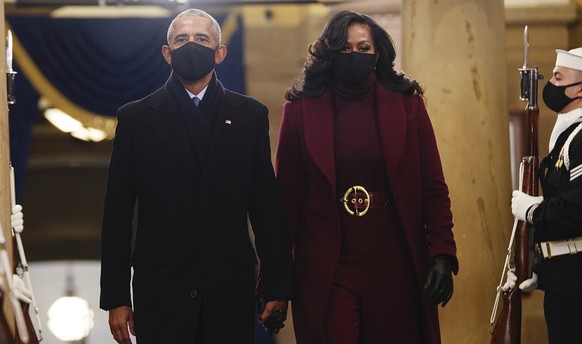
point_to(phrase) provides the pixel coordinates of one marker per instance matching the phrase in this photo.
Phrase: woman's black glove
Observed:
(439, 283)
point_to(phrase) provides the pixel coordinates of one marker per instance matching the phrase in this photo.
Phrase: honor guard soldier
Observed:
(557, 215)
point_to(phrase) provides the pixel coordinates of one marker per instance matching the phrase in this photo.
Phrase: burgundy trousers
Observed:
(375, 297)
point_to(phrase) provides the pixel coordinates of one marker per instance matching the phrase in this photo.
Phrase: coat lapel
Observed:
(166, 122)
(318, 130)
(319, 138)
(392, 116)
(227, 126)
(198, 129)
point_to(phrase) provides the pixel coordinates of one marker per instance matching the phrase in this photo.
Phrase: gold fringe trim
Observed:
(89, 119)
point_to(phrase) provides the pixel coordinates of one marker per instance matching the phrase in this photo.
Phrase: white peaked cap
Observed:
(570, 59)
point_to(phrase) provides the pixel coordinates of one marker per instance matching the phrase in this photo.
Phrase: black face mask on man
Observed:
(192, 61)
(354, 68)
(555, 96)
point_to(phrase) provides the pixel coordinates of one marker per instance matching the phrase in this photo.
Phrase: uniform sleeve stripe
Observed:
(577, 169)
(575, 174)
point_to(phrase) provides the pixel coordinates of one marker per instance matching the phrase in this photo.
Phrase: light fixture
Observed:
(75, 128)
(70, 317)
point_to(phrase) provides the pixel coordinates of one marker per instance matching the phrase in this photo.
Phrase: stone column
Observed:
(456, 50)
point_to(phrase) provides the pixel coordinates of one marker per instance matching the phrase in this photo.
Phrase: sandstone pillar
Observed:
(456, 50)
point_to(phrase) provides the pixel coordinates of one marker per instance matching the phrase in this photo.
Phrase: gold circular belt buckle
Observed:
(346, 204)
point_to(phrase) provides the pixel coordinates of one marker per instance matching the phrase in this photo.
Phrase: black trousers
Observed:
(563, 318)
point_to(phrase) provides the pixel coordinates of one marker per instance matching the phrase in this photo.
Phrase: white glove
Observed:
(527, 286)
(521, 202)
(17, 218)
(510, 281)
(20, 290)
(530, 284)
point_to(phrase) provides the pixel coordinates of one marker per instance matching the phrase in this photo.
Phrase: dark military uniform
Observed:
(559, 217)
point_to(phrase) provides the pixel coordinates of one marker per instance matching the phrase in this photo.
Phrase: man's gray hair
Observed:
(193, 12)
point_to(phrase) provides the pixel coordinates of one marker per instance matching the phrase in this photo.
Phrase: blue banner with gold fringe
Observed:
(91, 61)
(99, 64)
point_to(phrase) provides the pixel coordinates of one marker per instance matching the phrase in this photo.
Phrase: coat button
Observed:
(194, 293)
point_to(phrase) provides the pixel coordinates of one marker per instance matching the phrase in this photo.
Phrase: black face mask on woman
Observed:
(192, 61)
(354, 68)
(555, 96)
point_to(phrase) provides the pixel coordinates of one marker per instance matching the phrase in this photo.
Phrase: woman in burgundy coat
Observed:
(364, 195)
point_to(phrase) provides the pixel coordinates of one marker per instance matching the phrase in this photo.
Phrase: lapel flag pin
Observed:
(228, 121)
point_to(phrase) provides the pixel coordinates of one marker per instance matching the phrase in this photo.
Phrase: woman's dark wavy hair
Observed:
(318, 67)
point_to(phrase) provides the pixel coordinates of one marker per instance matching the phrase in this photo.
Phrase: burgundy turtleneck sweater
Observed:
(358, 150)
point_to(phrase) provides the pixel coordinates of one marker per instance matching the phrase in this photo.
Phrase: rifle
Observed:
(21, 270)
(508, 327)
(6, 273)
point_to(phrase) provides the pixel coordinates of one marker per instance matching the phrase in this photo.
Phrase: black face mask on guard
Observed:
(555, 97)
(354, 68)
(192, 61)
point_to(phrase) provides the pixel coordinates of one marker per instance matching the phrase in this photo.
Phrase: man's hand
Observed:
(521, 202)
(527, 285)
(17, 218)
(273, 315)
(20, 290)
(120, 319)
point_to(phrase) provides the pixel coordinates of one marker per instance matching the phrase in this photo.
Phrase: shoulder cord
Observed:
(566, 148)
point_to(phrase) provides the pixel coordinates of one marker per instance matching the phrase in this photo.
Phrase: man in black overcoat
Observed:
(192, 161)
